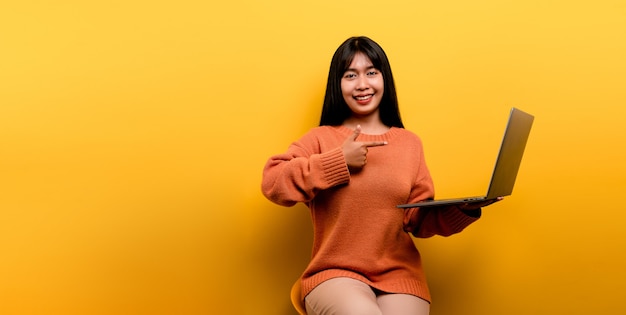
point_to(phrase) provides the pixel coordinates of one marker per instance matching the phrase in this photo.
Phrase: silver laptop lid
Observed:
(510, 155)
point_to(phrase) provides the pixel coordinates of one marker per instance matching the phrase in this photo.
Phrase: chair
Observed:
(296, 289)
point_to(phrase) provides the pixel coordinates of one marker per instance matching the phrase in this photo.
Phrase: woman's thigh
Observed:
(403, 304)
(342, 296)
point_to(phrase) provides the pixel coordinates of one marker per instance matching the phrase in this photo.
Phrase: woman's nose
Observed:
(362, 83)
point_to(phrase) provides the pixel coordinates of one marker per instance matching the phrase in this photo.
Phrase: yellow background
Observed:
(133, 135)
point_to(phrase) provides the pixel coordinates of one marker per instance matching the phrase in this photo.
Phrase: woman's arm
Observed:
(297, 175)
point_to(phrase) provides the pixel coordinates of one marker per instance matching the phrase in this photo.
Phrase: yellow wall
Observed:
(133, 135)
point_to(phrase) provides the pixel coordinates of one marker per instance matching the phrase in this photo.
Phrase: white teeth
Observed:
(362, 98)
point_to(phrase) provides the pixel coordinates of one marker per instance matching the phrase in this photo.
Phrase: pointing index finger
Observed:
(374, 143)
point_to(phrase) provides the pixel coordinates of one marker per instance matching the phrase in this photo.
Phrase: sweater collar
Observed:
(392, 132)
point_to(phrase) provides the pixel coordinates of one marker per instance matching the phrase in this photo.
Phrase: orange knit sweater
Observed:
(358, 230)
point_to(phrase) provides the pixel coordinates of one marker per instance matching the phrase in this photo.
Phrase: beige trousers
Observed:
(346, 296)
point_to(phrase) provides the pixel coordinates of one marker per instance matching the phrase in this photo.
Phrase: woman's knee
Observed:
(403, 304)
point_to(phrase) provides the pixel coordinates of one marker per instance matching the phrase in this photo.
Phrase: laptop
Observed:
(507, 163)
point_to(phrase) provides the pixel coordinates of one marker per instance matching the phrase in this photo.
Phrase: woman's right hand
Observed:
(355, 152)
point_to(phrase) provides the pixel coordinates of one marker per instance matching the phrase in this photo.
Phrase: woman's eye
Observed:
(349, 75)
(371, 73)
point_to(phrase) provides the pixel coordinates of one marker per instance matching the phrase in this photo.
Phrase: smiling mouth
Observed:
(363, 97)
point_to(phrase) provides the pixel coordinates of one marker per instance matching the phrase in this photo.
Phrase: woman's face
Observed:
(362, 87)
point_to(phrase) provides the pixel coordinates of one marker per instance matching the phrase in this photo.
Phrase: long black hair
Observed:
(335, 109)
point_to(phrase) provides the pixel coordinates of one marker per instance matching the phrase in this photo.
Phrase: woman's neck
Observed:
(368, 126)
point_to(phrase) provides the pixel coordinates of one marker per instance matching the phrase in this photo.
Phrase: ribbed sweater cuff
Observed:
(334, 167)
(459, 220)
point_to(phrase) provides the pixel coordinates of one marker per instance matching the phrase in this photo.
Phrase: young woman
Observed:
(351, 172)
